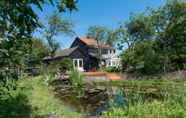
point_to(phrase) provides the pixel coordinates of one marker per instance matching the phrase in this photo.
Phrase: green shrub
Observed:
(13, 101)
(111, 69)
(142, 59)
(60, 65)
(43, 101)
(66, 64)
(170, 104)
(155, 109)
(76, 79)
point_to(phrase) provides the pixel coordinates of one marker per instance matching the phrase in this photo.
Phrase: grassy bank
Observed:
(143, 99)
(42, 100)
(151, 99)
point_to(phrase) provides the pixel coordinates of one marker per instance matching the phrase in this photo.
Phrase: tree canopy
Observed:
(56, 26)
(18, 21)
(161, 31)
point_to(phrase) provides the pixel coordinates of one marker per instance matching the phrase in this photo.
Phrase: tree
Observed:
(143, 59)
(172, 36)
(100, 34)
(56, 26)
(139, 28)
(165, 27)
(38, 51)
(121, 36)
(18, 21)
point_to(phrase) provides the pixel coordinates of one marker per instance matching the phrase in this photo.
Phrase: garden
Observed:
(152, 72)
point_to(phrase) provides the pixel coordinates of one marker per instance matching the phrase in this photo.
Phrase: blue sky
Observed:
(108, 13)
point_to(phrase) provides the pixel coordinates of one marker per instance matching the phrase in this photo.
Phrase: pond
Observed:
(94, 99)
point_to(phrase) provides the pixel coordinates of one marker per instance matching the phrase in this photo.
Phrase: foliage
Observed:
(55, 66)
(111, 69)
(18, 21)
(51, 68)
(102, 35)
(13, 101)
(66, 64)
(56, 25)
(170, 104)
(42, 101)
(76, 79)
(99, 33)
(38, 51)
(156, 40)
(143, 58)
(153, 110)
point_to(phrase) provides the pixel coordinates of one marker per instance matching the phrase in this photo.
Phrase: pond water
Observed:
(91, 101)
(94, 99)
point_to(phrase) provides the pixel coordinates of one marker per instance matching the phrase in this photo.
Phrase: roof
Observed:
(92, 42)
(63, 53)
(93, 55)
(66, 52)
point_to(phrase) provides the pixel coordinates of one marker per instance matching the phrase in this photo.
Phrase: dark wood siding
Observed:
(83, 52)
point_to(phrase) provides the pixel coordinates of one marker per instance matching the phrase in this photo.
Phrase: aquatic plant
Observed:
(76, 79)
(118, 99)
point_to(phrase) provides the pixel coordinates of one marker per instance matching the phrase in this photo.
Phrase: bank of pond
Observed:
(97, 99)
(47, 97)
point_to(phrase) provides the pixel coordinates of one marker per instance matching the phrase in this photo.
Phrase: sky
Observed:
(108, 13)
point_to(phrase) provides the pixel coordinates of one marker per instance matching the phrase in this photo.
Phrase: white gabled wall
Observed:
(111, 58)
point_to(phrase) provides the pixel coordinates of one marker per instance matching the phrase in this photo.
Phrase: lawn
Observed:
(143, 99)
(42, 100)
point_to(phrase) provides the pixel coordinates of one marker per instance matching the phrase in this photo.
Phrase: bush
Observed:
(60, 65)
(76, 79)
(143, 58)
(111, 69)
(144, 103)
(13, 101)
(66, 64)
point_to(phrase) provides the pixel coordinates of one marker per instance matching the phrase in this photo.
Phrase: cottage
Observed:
(84, 53)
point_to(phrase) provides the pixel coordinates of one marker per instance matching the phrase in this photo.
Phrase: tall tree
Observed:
(165, 27)
(18, 21)
(57, 26)
(121, 36)
(100, 34)
(139, 28)
(38, 51)
(172, 36)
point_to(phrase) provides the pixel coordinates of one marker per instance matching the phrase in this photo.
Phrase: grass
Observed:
(144, 99)
(42, 100)
(155, 109)
(170, 104)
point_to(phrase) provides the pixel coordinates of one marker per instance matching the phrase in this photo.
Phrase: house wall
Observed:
(83, 52)
(89, 62)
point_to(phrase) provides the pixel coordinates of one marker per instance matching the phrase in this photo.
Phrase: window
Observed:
(75, 62)
(78, 63)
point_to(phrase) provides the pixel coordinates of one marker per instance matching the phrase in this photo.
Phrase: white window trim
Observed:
(78, 62)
